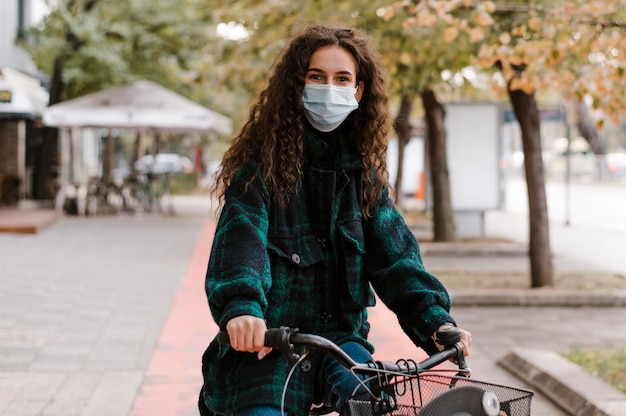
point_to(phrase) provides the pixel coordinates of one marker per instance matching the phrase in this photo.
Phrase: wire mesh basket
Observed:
(439, 395)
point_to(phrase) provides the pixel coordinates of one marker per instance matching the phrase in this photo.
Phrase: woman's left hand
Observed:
(466, 339)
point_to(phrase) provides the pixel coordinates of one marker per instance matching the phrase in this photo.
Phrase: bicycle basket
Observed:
(440, 395)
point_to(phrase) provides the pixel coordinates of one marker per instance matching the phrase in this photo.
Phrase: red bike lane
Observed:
(173, 377)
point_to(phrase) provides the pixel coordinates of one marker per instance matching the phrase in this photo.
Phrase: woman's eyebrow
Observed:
(321, 71)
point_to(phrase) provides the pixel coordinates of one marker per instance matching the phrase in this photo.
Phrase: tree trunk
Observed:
(588, 130)
(527, 113)
(402, 126)
(46, 156)
(444, 228)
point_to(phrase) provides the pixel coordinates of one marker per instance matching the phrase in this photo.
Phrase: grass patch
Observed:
(606, 364)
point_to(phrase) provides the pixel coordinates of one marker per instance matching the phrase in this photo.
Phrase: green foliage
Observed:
(417, 54)
(104, 43)
(607, 364)
(236, 69)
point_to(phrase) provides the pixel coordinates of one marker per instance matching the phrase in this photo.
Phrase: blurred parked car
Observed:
(164, 163)
(616, 163)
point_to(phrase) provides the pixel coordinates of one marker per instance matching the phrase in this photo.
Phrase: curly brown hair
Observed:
(272, 138)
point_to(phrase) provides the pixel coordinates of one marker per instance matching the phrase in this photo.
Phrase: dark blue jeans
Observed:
(340, 384)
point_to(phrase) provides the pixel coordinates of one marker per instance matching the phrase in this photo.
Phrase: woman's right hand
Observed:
(247, 334)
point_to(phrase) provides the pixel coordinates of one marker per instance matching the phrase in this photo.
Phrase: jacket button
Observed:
(306, 366)
(296, 258)
(326, 317)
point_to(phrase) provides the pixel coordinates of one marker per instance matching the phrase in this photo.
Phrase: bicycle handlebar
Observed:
(284, 339)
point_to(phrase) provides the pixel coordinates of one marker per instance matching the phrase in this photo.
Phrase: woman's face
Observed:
(333, 65)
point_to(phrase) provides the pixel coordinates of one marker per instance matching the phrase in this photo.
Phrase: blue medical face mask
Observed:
(327, 106)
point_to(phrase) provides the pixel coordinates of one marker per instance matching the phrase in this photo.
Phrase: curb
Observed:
(468, 248)
(565, 383)
(539, 297)
(27, 221)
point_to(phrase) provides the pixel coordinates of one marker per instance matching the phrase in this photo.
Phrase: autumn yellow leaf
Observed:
(426, 19)
(482, 18)
(406, 58)
(489, 6)
(387, 13)
(519, 31)
(549, 31)
(476, 34)
(450, 34)
(521, 83)
(534, 23)
(410, 22)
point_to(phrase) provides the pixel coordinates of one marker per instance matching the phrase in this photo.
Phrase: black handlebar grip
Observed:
(274, 338)
(448, 336)
(279, 338)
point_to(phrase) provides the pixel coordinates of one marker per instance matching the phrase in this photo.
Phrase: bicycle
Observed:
(407, 387)
(145, 192)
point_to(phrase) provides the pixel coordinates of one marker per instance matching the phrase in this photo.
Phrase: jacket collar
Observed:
(315, 147)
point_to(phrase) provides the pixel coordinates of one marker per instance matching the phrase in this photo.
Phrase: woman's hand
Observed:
(466, 339)
(247, 334)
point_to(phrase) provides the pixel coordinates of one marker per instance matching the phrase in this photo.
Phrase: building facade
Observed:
(22, 101)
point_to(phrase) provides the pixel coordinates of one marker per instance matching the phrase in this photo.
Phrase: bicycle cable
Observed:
(305, 353)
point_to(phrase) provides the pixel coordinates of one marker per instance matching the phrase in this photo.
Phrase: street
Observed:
(598, 205)
(595, 232)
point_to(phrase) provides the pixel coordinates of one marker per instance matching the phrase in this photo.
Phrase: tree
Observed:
(410, 39)
(46, 156)
(443, 221)
(573, 47)
(413, 55)
(403, 128)
(88, 45)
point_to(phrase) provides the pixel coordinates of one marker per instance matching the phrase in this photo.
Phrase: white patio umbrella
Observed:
(143, 106)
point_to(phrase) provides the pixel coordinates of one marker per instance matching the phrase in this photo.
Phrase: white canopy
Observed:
(142, 105)
(21, 96)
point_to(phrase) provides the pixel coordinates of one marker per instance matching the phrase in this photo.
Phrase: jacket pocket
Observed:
(353, 244)
(300, 251)
(294, 264)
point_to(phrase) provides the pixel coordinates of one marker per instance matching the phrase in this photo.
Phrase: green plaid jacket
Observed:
(310, 265)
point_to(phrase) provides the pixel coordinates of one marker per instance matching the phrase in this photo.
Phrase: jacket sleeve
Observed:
(397, 274)
(238, 273)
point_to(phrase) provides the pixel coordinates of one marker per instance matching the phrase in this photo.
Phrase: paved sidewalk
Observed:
(107, 316)
(82, 304)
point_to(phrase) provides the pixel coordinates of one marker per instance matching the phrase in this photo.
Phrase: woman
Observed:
(307, 228)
